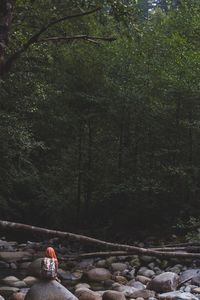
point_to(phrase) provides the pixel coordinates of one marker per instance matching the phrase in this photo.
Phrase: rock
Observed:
(20, 284)
(30, 280)
(97, 286)
(9, 280)
(145, 294)
(67, 275)
(188, 274)
(82, 285)
(4, 265)
(98, 274)
(125, 289)
(24, 265)
(147, 259)
(1, 298)
(111, 260)
(136, 284)
(7, 291)
(85, 264)
(139, 298)
(101, 263)
(118, 267)
(49, 290)
(196, 280)
(113, 295)
(196, 290)
(35, 267)
(15, 256)
(135, 262)
(176, 295)
(121, 279)
(86, 294)
(17, 296)
(143, 279)
(146, 272)
(164, 282)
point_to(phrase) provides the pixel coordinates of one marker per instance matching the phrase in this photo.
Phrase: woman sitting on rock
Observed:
(49, 265)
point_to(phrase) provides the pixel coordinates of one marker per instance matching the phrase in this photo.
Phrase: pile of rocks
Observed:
(114, 278)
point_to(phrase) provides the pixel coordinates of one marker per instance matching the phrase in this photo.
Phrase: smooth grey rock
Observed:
(146, 272)
(30, 280)
(196, 280)
(145, 294)
(136, 284)
(82, 285)
(188, 275)
(49, 290)
(9, 280)
(125, 289)
(1, 298)
(34, 268)
(101, 263)
(164, 282)
(176, 295)
(143, 279)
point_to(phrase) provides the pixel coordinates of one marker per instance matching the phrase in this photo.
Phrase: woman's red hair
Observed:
(50, 252)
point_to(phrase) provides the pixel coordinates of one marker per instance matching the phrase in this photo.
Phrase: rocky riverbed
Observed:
(112, 278)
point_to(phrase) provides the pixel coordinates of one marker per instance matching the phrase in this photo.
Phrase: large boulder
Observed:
(165, 282)
(98, 274)
(35, 267)
(49, 290)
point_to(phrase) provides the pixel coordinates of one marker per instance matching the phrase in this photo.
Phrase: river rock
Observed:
(85, 264)
(188, 275)
(164, 282)
(111, 260)
(146, 272)
(121, 279)
(30, 280)
(82, 285)
(19, 284)
(136, 284)
(86, 294)
(17, 296)
(7, 291)
(98, 274)
(15, 256)
(9, 280)
(113, 295)
(143, 279)
(145, 294)
(1, 298)
(135, 262)
(196, 280)
(147, 259)
(176, 295)
(35, 267)
(125, 289)
(49, 290)
(101, 263)
(118, 267)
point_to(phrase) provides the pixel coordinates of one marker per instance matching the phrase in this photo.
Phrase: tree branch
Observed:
(89, 38)
(99, 243)
(35, 37)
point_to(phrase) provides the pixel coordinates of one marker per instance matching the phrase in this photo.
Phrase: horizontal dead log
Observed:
(92, 241)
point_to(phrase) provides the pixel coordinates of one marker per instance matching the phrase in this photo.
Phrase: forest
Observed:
(100, 115)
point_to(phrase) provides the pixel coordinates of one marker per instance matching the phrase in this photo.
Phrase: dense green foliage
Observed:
(102, 134)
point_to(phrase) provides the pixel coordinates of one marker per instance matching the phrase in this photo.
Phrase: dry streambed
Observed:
(113, 278)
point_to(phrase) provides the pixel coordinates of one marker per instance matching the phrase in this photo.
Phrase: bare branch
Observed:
(36, 36)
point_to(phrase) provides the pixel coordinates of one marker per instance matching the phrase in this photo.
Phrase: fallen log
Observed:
(92, 241)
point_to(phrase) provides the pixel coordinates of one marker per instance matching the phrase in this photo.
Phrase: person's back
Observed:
(49, 265)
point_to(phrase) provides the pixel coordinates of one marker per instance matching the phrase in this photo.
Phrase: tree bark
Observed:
(6, 15)
(92, 241)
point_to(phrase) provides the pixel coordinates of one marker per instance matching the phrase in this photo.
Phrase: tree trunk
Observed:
(79, 178)
(6, 15)
(88, 240)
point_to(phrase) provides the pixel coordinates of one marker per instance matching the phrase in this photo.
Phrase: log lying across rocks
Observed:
(126, 249)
